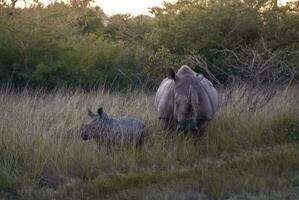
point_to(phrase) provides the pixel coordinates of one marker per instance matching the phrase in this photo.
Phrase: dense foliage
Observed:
(74, 44)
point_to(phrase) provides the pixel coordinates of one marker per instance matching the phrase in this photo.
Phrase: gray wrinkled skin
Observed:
(188, 99)
(105, 129)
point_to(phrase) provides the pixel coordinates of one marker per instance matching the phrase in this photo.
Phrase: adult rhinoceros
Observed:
(186, 99)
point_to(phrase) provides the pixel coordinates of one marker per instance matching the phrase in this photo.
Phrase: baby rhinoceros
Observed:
(124, 130)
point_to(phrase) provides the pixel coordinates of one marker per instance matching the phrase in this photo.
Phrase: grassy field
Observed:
(250, 150)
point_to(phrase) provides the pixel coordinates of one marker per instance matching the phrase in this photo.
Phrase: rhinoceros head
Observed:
(95, 126)
(185, 102)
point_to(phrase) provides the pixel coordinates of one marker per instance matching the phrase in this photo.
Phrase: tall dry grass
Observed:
(39, 139)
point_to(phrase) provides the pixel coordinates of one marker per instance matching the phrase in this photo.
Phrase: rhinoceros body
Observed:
(187, 98)
(123, 130)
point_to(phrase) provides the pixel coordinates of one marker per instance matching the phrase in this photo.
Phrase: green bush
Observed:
(64, 44)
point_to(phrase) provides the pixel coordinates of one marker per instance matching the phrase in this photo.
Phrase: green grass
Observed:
(7, 178)
(246, 153)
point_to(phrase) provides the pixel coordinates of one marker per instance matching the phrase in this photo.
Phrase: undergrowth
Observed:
(249, 151)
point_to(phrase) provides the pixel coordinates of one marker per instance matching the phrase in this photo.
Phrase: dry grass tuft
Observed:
(39, 133)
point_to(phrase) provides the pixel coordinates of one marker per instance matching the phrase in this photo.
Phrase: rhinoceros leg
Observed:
(202, 126)
(139, 144)
(167, 123)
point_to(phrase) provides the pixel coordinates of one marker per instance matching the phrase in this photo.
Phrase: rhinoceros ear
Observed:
(171, 74)
(90, 113)
(100, 111)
